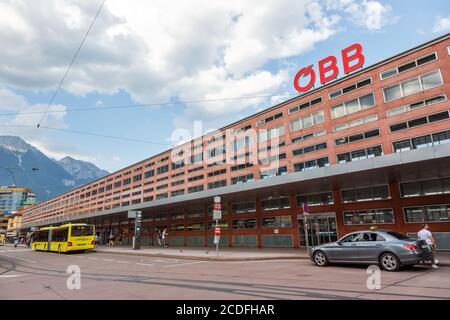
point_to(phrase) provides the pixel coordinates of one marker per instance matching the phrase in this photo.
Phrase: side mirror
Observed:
(339, 242)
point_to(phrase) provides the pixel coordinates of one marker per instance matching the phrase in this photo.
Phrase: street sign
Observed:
(137, 216)
(217, 231)
(217, 209)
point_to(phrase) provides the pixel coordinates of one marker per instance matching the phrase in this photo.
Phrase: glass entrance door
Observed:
(321, 229)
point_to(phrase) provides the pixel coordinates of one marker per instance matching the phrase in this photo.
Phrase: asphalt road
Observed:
(26, 274)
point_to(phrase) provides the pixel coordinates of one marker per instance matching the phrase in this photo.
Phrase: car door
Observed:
(346, 250)
(369, 246)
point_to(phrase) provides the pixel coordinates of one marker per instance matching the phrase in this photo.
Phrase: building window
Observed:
(243, 179)
(177, 165)
(416, 105)
(149, 174)
(281, 240)
(196, 178)
(437, 213)
(358, 137)
(137, 178)
(353, 106)
(368, 217)
(425, 187)
(269, 134)
(217, 173)
(408, 66)
(195, 226)
(242, 166)
(305, 105)
(177, 183)
(309, 136)
(223, 224)
(273, 172)
(161, 187)
(162, 169)
(277, 157)
(422, 142)
(275, 204)
(350, 88)
(419, 121)
(217, 184)
(355, 123)
(269, 119)
(196, 189)
(311, 164)
(162, 196)
(360, 154)
(244, 224)
(308, 121)
(310, 149)
(277, 222)
(365, 194)
(243, 207)
(318, 199)
(177, 227)
(414, 85)
(177, 193)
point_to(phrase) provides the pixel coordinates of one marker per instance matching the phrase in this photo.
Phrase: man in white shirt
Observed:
(425, 234)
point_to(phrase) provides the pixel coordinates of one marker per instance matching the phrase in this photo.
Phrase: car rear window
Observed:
(397, 235)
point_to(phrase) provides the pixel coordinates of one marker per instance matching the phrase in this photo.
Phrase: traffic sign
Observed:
(217, 231)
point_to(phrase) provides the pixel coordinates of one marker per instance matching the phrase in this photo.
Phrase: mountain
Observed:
(52, 178)
(84, 172)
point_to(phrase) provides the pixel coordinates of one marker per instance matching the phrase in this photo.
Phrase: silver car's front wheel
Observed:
(389, 262)
(320, 259)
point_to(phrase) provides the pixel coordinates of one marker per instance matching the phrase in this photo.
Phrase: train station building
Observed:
(369, 149)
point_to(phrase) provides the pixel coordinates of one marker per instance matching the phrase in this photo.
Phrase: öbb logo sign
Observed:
(352, 59)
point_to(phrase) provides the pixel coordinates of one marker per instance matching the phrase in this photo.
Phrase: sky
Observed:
(166, 60)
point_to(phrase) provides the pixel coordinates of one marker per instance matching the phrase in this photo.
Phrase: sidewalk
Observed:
(209, 253)
(228, 254)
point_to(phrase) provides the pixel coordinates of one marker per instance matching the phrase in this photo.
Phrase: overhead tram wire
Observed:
(88, 134)
(143, 105)
(71, 64)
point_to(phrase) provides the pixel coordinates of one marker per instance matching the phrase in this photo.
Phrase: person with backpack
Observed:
(426, 235)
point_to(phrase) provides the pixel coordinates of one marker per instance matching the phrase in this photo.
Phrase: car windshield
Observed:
(398, 236)
(80, 231)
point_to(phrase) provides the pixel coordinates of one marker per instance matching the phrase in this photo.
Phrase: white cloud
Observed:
(22, 120)
(442, 24)
(155, 51)
(372, 15)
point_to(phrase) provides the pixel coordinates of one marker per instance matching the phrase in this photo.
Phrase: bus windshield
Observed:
(81, 231)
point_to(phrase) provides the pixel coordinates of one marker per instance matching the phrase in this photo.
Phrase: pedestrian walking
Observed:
(159, 237)
(120, 239)
(426, 235)
(164, 235)
(96, 239)
(16, 242)
(111, 239)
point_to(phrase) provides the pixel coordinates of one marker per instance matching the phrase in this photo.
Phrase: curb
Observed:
(223, 259)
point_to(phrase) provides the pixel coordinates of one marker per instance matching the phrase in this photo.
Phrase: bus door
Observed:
(49, 243)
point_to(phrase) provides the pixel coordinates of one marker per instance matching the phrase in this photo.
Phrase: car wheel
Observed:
(389, 262)
(320, 259)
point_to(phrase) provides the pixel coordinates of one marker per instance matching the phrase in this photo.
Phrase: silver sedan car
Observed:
(389, 249)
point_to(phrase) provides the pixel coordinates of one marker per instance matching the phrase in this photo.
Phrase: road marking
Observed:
(185, 264)
(123, 262)
(109, 260)
(145, 264)
(92, 259)
(18, 258)
(11, 276)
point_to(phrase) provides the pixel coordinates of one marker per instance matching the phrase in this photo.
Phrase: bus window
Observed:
(81, 231)
(59, 235)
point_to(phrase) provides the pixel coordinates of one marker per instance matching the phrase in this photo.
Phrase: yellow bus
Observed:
(68, 237)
